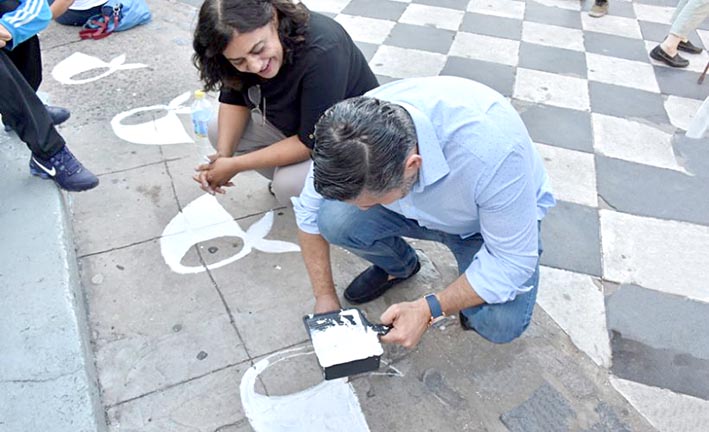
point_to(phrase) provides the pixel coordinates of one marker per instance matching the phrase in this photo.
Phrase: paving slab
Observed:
(561, 127)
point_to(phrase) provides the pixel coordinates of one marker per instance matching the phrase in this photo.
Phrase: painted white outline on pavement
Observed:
(162, 131)
(78, 63)
(328, 406)
(205, 219)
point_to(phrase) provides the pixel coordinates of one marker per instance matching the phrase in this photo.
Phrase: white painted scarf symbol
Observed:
(205, 219)
(79, 63)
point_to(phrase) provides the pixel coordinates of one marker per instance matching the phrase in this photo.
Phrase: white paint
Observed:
(572, 174)
(652, 13)
(205, 219)
(485, 48)
(398, 62)
(78, 63)
(328, 6)
(681, 111)
(363, 29)
(329, 406)
(612, 25)
(501, 8)
(576, 303)
(561, 4)
(167, 129)
(622, 72)
(663, 255)
(342, 343)
(552, 89)
(432, 16)
(633, 141)
(553, 36)
(665, 410)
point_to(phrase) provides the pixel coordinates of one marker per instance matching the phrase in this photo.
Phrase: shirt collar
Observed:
(434, 165)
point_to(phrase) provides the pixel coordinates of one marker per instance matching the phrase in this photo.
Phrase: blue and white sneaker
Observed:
(65, 170)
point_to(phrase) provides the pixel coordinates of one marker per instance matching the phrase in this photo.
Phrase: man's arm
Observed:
(410, 319)
(5, 36)
(316, 254)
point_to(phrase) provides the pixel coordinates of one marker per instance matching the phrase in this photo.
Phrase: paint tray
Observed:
(354, 321)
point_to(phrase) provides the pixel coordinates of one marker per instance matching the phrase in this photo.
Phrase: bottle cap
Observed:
(198, 94)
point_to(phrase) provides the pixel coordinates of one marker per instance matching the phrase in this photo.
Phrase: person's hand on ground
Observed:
(409, 320)
(5, 36)
(214, 176)
(327, 303)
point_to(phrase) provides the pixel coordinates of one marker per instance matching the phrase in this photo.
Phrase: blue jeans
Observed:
(376, 235)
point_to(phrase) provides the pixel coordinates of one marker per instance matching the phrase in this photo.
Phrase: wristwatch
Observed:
(435, 306)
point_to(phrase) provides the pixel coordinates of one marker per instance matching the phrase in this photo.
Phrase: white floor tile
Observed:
(663, 255)
(633, 141)
(622, 72)
(329, 6)
(501, 8)
(432, 16)
(681, 110)
(651, 13)
(406, 63)
(486, 48)
(665, 410)
(561, 4)
(551, 89)
(575, 301)
(553, 36)
(572, 174)
(614, 25)
(368, 30)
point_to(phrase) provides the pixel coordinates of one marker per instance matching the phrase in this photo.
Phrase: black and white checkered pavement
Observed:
(626, 258)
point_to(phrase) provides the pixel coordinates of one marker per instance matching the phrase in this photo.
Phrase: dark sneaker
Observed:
(65, 170)
(598, 9)
(372, 283)
(58, 114)
(675, 61)
(689, 47)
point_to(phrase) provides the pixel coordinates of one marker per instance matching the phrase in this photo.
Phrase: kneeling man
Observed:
(443, 159)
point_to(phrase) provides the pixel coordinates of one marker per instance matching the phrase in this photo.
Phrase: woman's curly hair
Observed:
(218, 19)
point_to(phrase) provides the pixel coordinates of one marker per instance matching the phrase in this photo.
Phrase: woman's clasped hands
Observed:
(215, 175)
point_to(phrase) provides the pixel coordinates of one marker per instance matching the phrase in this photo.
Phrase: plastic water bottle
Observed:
(201, 111)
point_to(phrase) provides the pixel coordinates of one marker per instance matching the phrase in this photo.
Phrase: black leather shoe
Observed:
(58, 114)
(372, 283)
(689, 47)
(675, 61)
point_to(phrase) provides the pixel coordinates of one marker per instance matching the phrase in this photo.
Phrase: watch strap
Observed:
(434, 305)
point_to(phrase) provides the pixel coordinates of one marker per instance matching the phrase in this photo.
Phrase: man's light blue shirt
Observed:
(480, 174)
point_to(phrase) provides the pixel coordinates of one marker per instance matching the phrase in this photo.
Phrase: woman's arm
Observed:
(231, 121)
(59, 7)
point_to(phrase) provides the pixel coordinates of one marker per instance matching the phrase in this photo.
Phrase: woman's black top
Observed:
(326, 69)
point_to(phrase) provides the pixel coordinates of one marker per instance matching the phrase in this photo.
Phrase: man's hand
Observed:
(5, 36)
(215, 175)
(327, 303)
(409, 321)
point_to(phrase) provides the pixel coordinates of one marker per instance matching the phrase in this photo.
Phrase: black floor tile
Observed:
(492, 26)
(615, 46)
(554, 60)
(381, 9)
(421, 38)
(561, 127)
(626, 102)
(497, 76)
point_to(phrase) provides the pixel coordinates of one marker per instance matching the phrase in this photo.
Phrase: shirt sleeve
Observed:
(508, 224)
(307, 205)
(30, 17)
(232, 97)
(324, 84)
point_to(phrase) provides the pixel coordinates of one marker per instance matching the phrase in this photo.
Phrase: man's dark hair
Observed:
(218, 19)
(361, 144)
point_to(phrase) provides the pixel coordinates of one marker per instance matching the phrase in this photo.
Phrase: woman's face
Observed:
(258, 52)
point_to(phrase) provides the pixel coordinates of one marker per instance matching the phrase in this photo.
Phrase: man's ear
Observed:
(413, 163)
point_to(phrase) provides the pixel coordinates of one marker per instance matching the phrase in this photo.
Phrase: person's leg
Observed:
(78, 18)
(27, 58)
(599, 9)
(686, 20)
(24, 112)
(288, 181)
